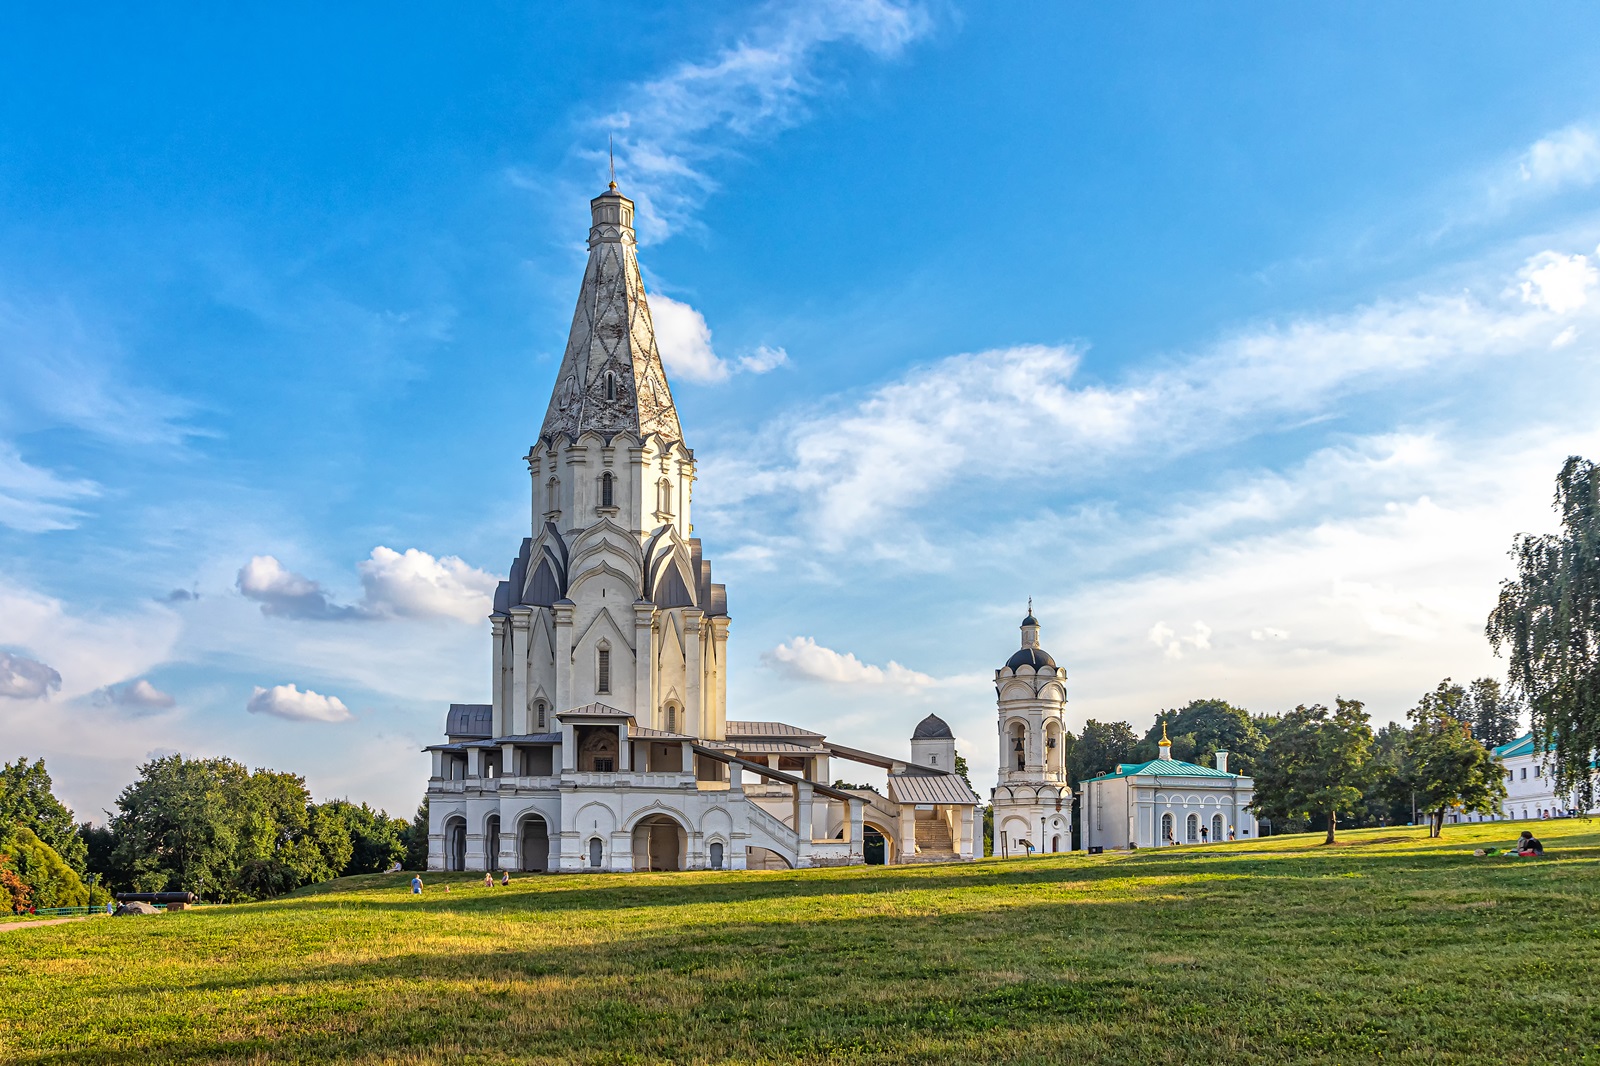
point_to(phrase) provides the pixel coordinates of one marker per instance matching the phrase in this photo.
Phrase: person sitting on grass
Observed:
(1529, 846)
(505, 877)
(488, 879)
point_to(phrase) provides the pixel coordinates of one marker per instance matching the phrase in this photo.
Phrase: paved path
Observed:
(6, 927)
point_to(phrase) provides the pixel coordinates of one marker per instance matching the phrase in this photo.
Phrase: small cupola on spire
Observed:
(1165, 745)
(1031, 654)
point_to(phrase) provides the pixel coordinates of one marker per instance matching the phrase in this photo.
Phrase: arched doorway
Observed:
(596, 853)
(658, 844)
(455, 844)
(1166, 832)
(874, 848)
(534, 844)
(714, 854)
(492, 843)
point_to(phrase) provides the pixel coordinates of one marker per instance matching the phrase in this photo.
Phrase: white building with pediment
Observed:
(607, 744)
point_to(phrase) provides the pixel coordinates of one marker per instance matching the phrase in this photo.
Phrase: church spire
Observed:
(611, 378)
(1165, 746)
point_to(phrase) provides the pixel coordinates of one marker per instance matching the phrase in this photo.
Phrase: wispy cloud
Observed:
(35, 500)
(1019, 415)
(673, 127)
(138, 697)
(1565, 158)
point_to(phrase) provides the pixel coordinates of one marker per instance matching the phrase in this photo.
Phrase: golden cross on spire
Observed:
(1164, 739)
(611, 150)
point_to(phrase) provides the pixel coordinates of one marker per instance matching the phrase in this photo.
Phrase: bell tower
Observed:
(1032, 800)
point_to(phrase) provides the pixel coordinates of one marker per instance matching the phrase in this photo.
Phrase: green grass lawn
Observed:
(1389, 947)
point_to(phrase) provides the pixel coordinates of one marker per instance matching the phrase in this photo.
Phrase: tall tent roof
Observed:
(611, 378)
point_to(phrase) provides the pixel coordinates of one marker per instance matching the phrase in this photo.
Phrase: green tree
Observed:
(376, 840)
(49, 880)
(1313, 767)
(1200, 729)
(26, 799)
(1547, 621)
(1444, 764)
(1495, 716)
(1386, 791)
(416, 839)
(1098, 750)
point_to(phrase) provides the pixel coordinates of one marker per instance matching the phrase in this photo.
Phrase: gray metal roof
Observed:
(769, 729)
(778, 747)
(475, 720)
(646, 733)
(594, 710)
(932, 728)
(930, 788)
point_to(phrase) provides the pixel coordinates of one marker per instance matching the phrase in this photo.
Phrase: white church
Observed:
(607, 744)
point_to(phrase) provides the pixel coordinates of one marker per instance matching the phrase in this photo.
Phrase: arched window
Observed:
(1216, 828)
(716, 855)
(671, 718)
(1166, 831)
(539, 712)
(606, 491)
(596, 852)
(1192, 829)
(933, 760)
(603, 670)
(553, 494)
(664, 496)
(611, 385)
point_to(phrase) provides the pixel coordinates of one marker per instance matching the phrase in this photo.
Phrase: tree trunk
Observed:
(1333, 822)
(1436, 823)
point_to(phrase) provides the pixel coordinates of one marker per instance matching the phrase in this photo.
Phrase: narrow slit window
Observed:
(611, 385)
(664, 496)
(539, 715)
(603, 681)
(607, 492)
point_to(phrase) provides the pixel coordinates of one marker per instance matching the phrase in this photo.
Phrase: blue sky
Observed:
(1242, 339)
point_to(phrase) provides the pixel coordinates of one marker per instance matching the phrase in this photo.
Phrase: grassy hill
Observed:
(1390, 946)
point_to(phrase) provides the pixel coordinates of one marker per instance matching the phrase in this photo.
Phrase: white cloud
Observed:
(684, 340)
(22, 678)
(416, 585)
(283, 593)
(991, 419)
(671, 128)
(138, 696)
(287, 701)
(804, 658)
(764, 359)
(1567, 157)
(34, 500)
(1558, 283)
(1166, 638)
(1269, 633)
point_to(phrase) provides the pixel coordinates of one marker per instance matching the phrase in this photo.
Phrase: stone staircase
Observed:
(933, 841)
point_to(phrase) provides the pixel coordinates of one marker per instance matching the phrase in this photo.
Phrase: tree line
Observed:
(208, 826)
(1322, 767)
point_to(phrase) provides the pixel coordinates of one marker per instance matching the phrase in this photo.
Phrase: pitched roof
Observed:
(612, 336)
(1523, 745)
(1169, 768)
(930, 788)
(768, 729)
(594, 710)
(469, 720)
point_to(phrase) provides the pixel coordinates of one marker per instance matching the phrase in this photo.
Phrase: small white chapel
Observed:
(607, 743)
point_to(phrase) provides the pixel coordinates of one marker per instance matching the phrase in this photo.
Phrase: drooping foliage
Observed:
(38, 874)
(1547, 623)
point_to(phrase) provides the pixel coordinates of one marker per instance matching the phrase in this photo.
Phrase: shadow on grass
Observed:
(1295, 970)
